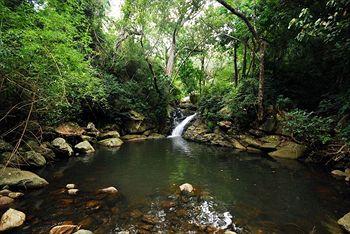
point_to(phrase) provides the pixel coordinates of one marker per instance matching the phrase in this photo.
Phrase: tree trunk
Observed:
(171, 59)
(262, 51)
(202, 76)
(235, 64)
(244, 66)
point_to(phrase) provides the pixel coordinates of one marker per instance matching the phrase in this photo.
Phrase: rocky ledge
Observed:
(255, 141)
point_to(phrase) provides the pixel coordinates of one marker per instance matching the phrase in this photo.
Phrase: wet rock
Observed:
(82, 231)
(109, 134)
(186, 188)
(27, 159)
(5, 147)
(11, 219)
(64, 229)
(70, 186)
(62, 147)
(72, 191)
(150, 219)
(236, 144)
(43, 149)
(345, 222)
(91, 130)
(289, 150)
(109, 190)
(112, 142)
(15, 195)
(69, 129)
(14, 177)
(249, 141)
(5, 201)
(156, 136)
(134, 138)
(84, 147)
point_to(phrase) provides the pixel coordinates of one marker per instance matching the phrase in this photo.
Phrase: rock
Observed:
(84, 147)
(43, 149)
(150, 219)
(88, 138)
(109, 134)
(72, 191)
(70, 186)
(15, 195)
(186, 188)
(269, 125)
(134, 138)
(345, 222)
(338, 173)
(5, 192)
(5, 147)
(62, 147)
(69, 129)
(225, 125)
(156, 136)
(27, 159)
(289, 150)
(247, 140)
(112, 142)
(14, 177)
(11, 219)
(230, 232)
(64, 229)
(82, 231)
(5, 201)
(92, 130)
(236, 144)
(134, 123)
(109, 190)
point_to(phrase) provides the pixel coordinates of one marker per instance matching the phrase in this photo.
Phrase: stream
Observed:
(257, 194)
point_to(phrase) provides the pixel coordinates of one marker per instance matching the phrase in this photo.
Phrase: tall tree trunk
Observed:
(202, 76)
(244, 66)
(235, 64)
(262, 51)
(171, 57)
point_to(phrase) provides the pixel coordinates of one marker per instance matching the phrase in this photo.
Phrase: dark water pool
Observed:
(261, 194)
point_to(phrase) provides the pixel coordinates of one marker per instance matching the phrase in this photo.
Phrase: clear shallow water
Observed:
(262, 195)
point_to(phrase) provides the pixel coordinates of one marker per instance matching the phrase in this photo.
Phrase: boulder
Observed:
(43, 149)
(14, 177)
(62, 147)
(11, 219)
(134, 123)
(70, 186)
(69, 129)
(109, 134)
(27, 159)
(5, 147)
(188, 188)
(73, 191)
(250, 141)
(112, 142)
(131, 138)
(5, 201)
(156, 136)
(5, 192)
(289, 150)
(91, 130)
(109, 190)
(84, 147)
(64, 229)
(345, 222)
(15, 195)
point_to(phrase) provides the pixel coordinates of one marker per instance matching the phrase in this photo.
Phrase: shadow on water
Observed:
(260, 195)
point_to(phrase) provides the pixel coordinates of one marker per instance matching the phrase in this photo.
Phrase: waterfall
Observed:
(180, 127)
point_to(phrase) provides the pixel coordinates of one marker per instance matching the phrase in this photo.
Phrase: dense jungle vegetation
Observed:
(245, 60)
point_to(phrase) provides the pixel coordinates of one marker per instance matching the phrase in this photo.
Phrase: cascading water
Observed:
(180, 127)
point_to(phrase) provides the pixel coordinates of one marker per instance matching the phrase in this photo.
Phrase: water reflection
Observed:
(179, 144)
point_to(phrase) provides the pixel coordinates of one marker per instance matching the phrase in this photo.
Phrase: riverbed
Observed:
(247, 193)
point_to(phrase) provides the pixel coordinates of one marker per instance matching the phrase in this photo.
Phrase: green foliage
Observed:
(307, 127)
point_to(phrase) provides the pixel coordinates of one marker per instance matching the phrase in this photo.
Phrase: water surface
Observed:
(261, 194)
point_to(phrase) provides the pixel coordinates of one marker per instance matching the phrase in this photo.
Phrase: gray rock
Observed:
(84, 147)
(112, 142)
(109, 134)
(5, 201)
(26, 159)
(11, 219)
(14, 177)
(82, 231)
(186, 188)
(72, 191)
(42, 149)
(109, 190)
(62, 147)
(70, 186)
(345, 222)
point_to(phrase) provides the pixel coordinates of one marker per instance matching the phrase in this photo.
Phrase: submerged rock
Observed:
(84, 147)
(112, 142)
(62, 147)
(64, 229)
(289, 150)
(345, 222)
(109, 190)
(186, 188)
(11, 219)
(14, 177)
